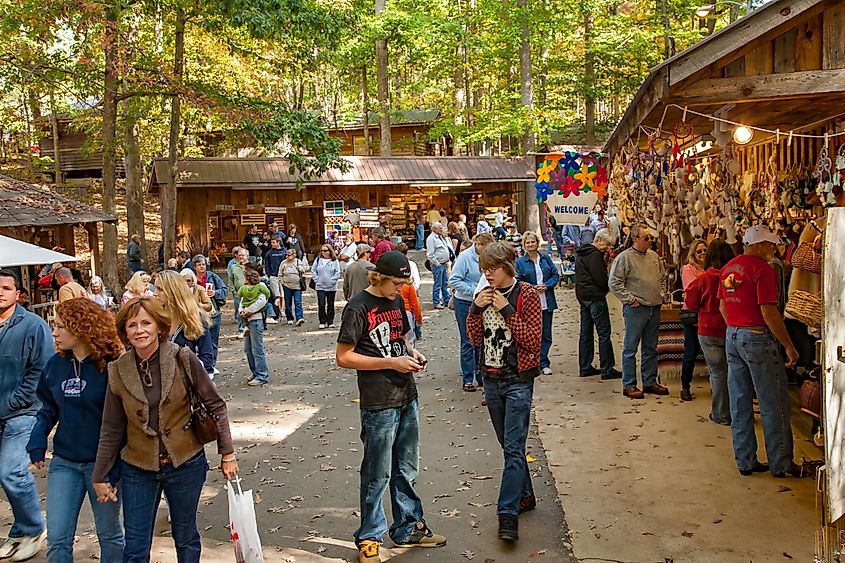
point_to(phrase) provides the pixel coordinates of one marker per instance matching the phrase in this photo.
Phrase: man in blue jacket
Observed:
(463, 281)
(25, 346)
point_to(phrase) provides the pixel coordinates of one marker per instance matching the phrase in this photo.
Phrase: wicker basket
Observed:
(805, 307)
(806, 258)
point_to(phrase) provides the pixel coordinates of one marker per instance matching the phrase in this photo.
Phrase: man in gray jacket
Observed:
(438, 250)
(635, 278)
(355, 278)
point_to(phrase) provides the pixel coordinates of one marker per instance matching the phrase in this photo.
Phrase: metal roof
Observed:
(272, 173)
(23, 204)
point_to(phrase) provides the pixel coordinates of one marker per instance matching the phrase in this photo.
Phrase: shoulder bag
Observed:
(202, 421)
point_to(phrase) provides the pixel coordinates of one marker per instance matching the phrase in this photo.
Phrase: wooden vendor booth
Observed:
(748, 127)
(220, 198)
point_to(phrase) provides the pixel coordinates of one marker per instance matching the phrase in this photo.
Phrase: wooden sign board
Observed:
(305, 203)
(276, 210)
(253, 219)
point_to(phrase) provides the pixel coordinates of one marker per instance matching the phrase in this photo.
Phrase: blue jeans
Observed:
(214, 332)
(595, 315)
(717, 364)
(254, 349)
(756, 365)
(420, 237)
(469, 353)
(270, 310)
(238, 318)
(141, 496)
(691, 350)
(325, 306)
(546, 342)
(500, 233)
(509, 405)
(440, 291)
(293, 302)
(16, 479)
(558, 235)
(391, 439)
(67, 484)
(641, 324)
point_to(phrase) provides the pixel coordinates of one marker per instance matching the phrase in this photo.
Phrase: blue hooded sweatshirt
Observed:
(25, 346)
(76, 405)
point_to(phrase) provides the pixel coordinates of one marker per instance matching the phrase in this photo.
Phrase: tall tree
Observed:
(111, 18)
(383, 87)
(532, 212)
(168, 200)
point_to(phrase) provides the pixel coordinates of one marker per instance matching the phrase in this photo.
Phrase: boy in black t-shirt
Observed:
(371, 340)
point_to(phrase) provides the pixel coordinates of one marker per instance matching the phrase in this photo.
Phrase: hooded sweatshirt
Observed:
(590, 274)
(72, 395)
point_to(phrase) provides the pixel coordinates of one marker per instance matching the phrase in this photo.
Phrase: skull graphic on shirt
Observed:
(497, 338)
(380, 336)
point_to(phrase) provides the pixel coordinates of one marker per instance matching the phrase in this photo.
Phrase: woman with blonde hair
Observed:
(199, 293)
(147, 422)
(98, 293)
(137, 286)
(188, 323)
(691, 271)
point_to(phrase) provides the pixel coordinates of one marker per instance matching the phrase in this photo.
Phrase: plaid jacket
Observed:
(525, 323)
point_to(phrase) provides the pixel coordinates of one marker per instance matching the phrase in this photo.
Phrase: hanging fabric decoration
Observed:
(571, 173)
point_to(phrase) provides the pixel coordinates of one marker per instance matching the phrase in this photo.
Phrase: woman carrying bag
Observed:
(291, 275)
(72, 390)
(188, 323)
(325, 271)
(149, 402)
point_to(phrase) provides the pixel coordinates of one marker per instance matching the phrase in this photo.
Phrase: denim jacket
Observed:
(551, 277)
(25, 346)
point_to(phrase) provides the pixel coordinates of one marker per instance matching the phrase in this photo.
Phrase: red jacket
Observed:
(525, 323)
(701, 296)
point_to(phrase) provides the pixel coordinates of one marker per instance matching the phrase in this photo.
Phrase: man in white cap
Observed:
(749, 303)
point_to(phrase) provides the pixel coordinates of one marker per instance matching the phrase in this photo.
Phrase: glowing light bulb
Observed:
(743, 135)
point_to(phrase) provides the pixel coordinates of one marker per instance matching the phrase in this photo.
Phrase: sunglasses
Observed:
(701, 252)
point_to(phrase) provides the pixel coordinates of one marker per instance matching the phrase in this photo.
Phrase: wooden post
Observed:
(94, 247)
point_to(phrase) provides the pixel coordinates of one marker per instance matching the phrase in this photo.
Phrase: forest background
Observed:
(145, 78)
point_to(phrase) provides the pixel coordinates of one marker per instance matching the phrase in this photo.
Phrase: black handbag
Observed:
(303, 285)
(202, 421)
(689, 318)
(312, 284)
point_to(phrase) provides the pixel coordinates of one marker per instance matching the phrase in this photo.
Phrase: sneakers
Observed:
(368, 551)
(547, 371)
(256, 382)
(332, 325)
(423, 537)
(590, 372)
(656, 389)
(300, 322)
(215, 372)
(322, 325)
(290, 322)
(272, 321)
(21, 549)
(612, 374)
(508, 527)
(633, 393)
(527, 504)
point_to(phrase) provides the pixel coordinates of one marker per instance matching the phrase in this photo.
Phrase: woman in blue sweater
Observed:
(189, 323)
(72, 390)
(537, 268)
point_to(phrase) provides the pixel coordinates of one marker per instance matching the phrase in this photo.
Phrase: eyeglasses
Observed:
(490, 270)
(326, 250)
(646, 238)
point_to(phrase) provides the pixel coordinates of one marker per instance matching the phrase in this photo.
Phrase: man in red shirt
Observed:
(749, 303)
(380, 244)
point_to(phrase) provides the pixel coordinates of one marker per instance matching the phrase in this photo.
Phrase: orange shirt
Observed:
(412, 302)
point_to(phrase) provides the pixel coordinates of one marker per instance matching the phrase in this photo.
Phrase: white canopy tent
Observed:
(15, 252)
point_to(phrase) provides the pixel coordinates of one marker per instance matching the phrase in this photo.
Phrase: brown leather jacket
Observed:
(127, 409)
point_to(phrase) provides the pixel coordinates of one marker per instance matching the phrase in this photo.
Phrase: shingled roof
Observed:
(272, 173)
(24, 205)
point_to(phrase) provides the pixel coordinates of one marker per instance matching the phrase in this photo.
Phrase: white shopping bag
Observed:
(242, 525)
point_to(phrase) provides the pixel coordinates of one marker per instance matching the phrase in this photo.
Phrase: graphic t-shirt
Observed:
(375, 326)
(252, 242)
(499, 358)
(746, 283)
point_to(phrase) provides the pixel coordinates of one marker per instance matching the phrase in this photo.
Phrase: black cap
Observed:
(393, 264)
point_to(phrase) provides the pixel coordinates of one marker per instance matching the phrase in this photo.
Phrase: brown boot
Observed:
(656, 389)
(633, 393)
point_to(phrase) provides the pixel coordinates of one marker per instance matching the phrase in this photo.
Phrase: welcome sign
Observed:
(571, 210)
(569, 184)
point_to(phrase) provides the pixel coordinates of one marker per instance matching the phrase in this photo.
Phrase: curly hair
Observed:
(93, 326)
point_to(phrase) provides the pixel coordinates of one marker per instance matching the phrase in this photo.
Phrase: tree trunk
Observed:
(110, 86)
(134, 186)
(383, 78)
(168, 200)
(365, 108)
(530, 211)
(589, 95)
(54, 124)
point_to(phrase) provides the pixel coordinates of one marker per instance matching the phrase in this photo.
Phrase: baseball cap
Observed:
(393, 264)
(758, 234)
(363, 248)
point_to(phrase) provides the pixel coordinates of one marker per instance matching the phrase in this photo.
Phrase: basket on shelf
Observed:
(805, 307)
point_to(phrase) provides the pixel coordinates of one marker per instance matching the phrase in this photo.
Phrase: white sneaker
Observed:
(241, 334)
(215, 372)
(10, 547)
(272, 321)
(332, 325)
(547, 371)
(322, 325)
(300, 322)
(290, 322)
(27, 548)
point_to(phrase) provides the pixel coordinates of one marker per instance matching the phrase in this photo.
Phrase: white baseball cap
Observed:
(758, 234)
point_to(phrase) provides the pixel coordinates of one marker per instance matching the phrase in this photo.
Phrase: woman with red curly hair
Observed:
(72, 391)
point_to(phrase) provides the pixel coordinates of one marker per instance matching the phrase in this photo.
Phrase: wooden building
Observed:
(42, 217)
(219, 198)
(408, 135)
(77, 158)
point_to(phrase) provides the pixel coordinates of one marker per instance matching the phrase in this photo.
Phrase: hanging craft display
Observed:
(571, 174)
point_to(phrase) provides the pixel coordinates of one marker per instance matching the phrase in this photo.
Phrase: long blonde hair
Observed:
(138, 283)
(691, 253)
(181, 305)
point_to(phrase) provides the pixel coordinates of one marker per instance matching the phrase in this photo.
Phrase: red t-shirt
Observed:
(746, 283)
(701, 296)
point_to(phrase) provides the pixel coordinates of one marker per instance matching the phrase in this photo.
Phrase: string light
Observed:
(743, 135)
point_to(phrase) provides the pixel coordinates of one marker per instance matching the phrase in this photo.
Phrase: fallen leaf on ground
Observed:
(538, 552)
(687, 534)
(530, 459)
(469, 554)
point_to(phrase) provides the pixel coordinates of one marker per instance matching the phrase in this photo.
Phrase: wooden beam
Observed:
(94, 247)
(833, 51)
(762, 88)
(652, 92)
